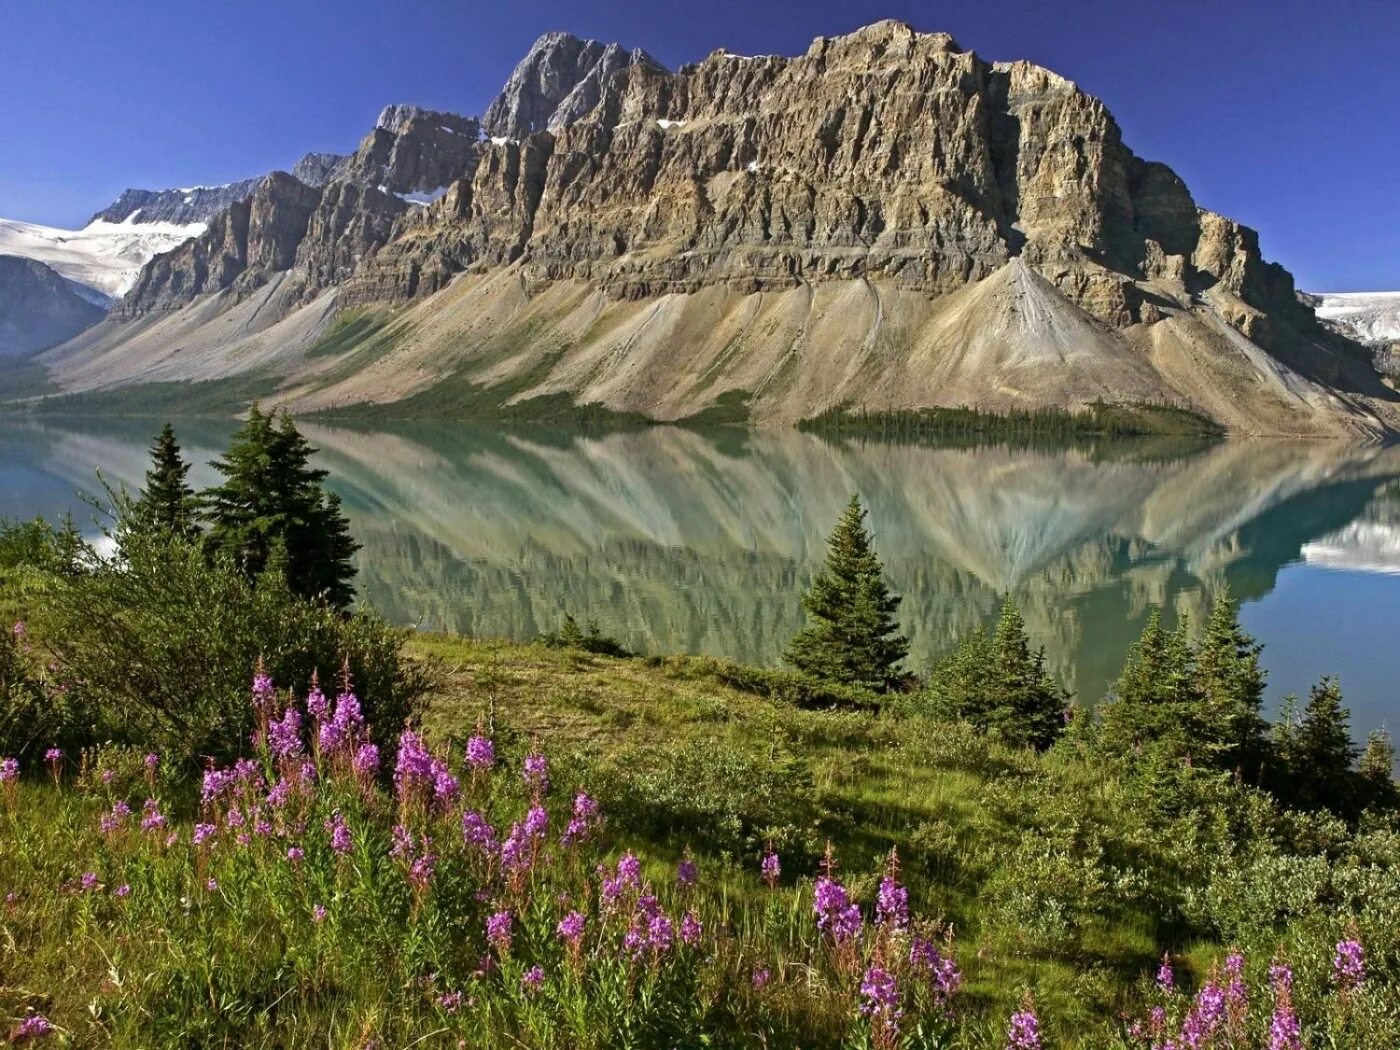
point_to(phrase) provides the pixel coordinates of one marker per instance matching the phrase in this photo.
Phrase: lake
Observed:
(677, 540)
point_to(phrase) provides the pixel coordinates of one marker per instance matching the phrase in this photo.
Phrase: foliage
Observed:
(271, 510)
(1054, 424)
(851, 636)
(150, 643)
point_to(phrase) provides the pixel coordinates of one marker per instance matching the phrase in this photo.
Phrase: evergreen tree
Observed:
(851, 635)
(168, 501)
(1229, 687)
(1319, 753)
(272, 503)
(1152, 705)
(999, 683)
(1376, 771)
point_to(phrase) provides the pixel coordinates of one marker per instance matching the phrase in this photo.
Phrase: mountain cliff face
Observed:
(887, 221)
(38, 308)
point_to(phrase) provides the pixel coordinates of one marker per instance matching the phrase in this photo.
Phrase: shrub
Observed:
(157, 644)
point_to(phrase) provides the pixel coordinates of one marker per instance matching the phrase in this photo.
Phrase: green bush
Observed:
(160, 645)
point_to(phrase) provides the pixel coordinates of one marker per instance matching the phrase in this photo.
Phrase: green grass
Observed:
(1038, 425)
(215, 397)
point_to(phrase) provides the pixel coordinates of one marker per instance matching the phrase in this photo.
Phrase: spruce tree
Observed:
(1320, 752)
(1229, 686)
(1376, 771)
(851, 635)
(1152, 701)
(168, 502)
(272, 498)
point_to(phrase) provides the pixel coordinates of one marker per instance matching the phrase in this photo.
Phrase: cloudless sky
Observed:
(1280, 113)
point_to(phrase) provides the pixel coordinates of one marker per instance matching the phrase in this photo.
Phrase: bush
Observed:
(160, 645)
(592, 640)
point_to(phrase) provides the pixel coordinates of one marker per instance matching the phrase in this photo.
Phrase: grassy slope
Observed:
(956, 805)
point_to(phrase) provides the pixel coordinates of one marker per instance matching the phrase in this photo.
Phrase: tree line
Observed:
(1177, 701)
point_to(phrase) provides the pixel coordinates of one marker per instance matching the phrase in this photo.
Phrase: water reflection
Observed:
(678, 540)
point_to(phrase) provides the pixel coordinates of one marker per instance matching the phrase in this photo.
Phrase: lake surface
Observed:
(682, 541)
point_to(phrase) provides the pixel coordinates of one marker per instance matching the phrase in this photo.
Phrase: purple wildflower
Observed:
(450, 1002)
(88, 882)
(892, 904)
(691, 928)
(498, 931)
(9, 770)
(481, 752)
(284, 735)
(35, 1026)
(477, 831)
(760, 978)
(339, 829)
(263, 691)
(318, 914)
(1207, 1013)
(151, 817)
(515, 851)
(770, 868)
(122, 891)
(316, 705)
(366, 761)
(533, 980)
(942, 972)
(880, 994)
(536, 822)
(629, 870)
(113, 821)
(1349, 964)
(1024, 1032)
(570, 928)
(836, 915)
(1166, 976)
(661, 934)
(203, 833)
(687, 873)
(536, 773)
(295, 854)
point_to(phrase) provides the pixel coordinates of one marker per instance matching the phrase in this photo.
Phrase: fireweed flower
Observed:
(691, 928)
(1349, 964)
(477, 831)
(836, 915)
(571, 927)
(498, 931)
(533, 980)
(1024, 1032)
(295, 854)
(316, 705)
(687, 873)
(122, 891)
(481, 753)
(284, 735)
(263, 691)
(941, 971)
(629, 870)
(879, 993)
(770, 868)
(203, 833)
(114, 820)
(339, 830)
(88, 882)
(515, 851)
(660, 934)
(1285, 1033)
(536, 822)
(1207, 1013)
(366, 761)
(536, 773)
(9, 770)
(892, 904)
(318, 914)
(1166, 976)
(152, 819)
(35, 1026)
(760, 978)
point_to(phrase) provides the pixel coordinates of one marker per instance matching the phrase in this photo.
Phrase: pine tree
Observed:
(271, 496)
(1028, 708)
(851, 635)
(168, 502)
(1229, 686)
(1320, 752)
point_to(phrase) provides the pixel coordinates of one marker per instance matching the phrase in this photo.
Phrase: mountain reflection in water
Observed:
(680, 540)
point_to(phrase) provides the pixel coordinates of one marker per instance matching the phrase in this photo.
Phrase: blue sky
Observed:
(1280, 113)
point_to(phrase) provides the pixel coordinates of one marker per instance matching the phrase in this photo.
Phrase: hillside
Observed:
(885, 222)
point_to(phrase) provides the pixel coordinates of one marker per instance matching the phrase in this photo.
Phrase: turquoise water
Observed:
(676, 540)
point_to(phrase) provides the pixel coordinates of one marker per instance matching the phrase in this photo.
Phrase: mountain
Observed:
(1371, 318)
(38, 308)
(885, 222)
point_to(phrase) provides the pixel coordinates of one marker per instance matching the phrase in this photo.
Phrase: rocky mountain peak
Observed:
(559, 81)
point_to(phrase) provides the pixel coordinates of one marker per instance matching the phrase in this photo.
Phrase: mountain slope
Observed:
(886, 221)
(38, 308)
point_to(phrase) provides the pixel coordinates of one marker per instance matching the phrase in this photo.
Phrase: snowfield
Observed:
(1373, 317)
(105, 257)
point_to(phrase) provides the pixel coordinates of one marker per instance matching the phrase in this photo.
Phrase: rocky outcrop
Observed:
(317, 169)
(558, 82)
(413, 150)
(193, 204)
(38, 308)
(243, 246)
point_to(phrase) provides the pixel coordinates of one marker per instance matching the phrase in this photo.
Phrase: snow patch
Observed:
(501, 140)
(1373, 317)
(667, 125)
(421, 199)
(104, 256)
(752, 166)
